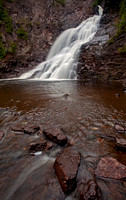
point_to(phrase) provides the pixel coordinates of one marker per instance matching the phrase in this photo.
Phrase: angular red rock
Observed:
(56, 135)
(66, 168)
(109, 167)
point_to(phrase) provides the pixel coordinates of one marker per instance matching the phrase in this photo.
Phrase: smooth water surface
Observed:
(88, 112)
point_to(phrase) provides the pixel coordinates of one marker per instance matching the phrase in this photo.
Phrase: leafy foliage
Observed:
(22, 33)
(122, 49)
(12, 48)
(122, 22)
(2, 49)
(121, 25)
(4, 17)
(62, 2)
(97, 2)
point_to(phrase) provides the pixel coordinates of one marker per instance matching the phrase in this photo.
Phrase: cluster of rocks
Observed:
(70, 167)
(71, 174)
(25, 128)
(120, 140)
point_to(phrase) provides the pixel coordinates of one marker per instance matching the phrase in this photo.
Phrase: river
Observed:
(85, 111)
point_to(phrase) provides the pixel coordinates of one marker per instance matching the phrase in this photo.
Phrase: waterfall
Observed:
(62, 60)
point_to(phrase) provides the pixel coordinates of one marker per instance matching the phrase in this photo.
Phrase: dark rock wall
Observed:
(112, 5)
(100, 59)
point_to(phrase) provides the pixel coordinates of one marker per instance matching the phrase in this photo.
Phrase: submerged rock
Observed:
(121, 143)
(18, 127)
(72, 141)
(117, 95)
(65, 96)
(119, 128)
(38, 147)
(124, 89)
(56, 135)
(112, 189)
(25, 127)
(31, 129)
(109, 167)
(86, 185)
(1, 135)
(66, 168)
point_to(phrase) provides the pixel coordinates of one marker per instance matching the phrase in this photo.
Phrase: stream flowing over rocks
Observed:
(63, 147)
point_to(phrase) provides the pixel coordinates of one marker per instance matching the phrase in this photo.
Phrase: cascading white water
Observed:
(61, 62)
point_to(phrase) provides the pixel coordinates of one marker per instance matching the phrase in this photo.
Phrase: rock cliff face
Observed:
(43, 21)
(101, 60)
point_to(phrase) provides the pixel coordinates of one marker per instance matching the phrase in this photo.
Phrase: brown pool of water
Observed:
(87, 115)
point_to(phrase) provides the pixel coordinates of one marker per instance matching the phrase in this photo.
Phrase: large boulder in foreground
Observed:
(109, 167)
(66, 168)
(56, 135)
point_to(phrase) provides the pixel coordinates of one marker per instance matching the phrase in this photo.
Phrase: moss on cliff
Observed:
(22, 33)
(5, 18)
(9, 44)
(121, 22)
(108, 4)
(2, 49)
(62, 2)
(97, 2)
